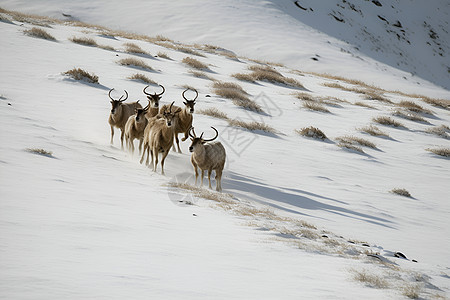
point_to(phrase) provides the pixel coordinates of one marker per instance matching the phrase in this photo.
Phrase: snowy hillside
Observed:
(300, 216)
(405, 41)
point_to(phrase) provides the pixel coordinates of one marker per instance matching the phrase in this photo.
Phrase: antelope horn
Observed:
(188, 99)
(160, 94)
(126, 94)
(170, 108)
(217, 134)
(193, 131)
(109, 94)
(145, 91)
(146, 108)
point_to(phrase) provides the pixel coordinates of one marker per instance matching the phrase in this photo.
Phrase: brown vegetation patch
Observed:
(39, 33)
(441, 131)
(80, 74)
(194, 63)
(142, 77)
(373, 130)
(134, 48)
(252, 126)
(387, 121)
(135, 63)
(213, 112)
(312, 132)
(237, 94)
(85, 41)
(401, 192)
(266, 73)
(442, 151)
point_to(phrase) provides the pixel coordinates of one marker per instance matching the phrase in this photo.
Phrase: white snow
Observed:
(91, 222)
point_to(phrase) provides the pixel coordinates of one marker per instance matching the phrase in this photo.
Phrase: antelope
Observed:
(134, 128)
(207, 157)
(120, 112)
(184, 119)
(158, 138)
(154, 101)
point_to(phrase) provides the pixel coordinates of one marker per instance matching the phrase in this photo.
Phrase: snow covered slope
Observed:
(304, 216)
(321, 38)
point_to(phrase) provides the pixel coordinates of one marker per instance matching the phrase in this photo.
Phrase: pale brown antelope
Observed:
(154, 102)
(120, 112)
(159, 137)
(184, 119)
(207, 157)
(134, 128)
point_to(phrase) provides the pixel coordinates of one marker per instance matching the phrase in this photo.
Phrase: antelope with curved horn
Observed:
(134, 128)
(158, 138)
(120, 112)
(209, 157)
(154, 102)
(184, 119)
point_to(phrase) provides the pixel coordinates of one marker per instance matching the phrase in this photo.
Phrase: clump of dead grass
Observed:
(311, 105)
(312, 132)
(373, 130)
(266, 73)
(442, 151)
(387, 121)
(371, 280)
(237, 94)
(135, 49)
(413, 107)
(39, 33)
(401, 192)
(80, 74)
(163, 55)
(441, 131)
(406, 114)
(363, 104)
(244, 77)
(200, 74)
(213, 112)
(441, 103)
(412, 291)
(194, 63)
(85, 41)
(353, 140)
(142, 77)
(252, 126)
(40, 151)
(135, 63)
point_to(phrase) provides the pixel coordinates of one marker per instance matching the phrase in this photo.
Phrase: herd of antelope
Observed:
(157, 128)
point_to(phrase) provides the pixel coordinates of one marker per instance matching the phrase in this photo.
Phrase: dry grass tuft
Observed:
(441, 131)
(383, 120)
(252, 125)
(39, 33)
(244, 77)
(412, 291)
(312, 132)
(163, 55)
(80, 74)
(409, 115)
(359, 103)
(142, 77)
(352, 140)
(442, 151)
(401, 192)
(85, 41)
(441, 103)
(315, 106)
(204, 193)
(376, 95)
(370, 279)
(200, 74)
(266, 73)
(134, 48)
(413, 107)
(213, 112)
(40, 151)
(135, 63)
(305, 97)
(194, 63)
(237, 94)
(373, 130)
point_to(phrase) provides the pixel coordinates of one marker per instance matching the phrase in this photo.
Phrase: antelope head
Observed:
(190, 103)
(169, 115)
(140, 112)
(154, 98)
(199, 140)
(116, 103)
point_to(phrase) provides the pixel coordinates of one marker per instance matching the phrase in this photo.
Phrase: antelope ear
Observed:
(192, 139)
(184, 102)
(203, 142)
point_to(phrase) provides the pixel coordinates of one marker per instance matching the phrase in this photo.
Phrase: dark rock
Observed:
(400, 255)
(376, 2)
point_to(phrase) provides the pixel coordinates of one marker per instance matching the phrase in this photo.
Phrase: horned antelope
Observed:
(120, 112)
(184, 119)
(134, 128)
(207, 157)
(154, 102)
(159, 137)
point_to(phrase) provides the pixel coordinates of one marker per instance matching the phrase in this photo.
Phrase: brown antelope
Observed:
(207, 157)
(120, 112)
(134, 128)
(184, 119)
(154, 102)
(159, 137)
